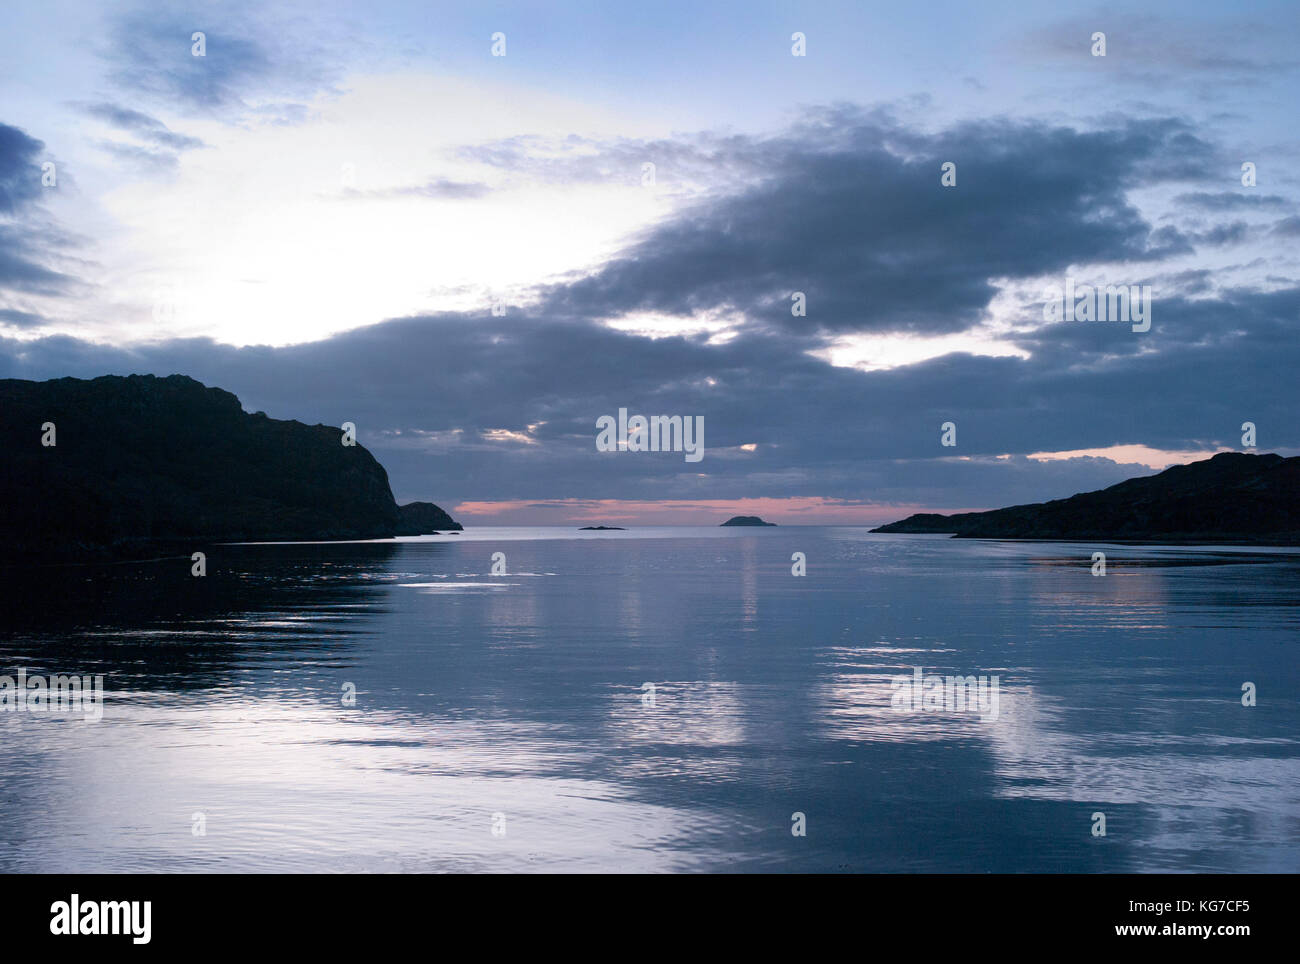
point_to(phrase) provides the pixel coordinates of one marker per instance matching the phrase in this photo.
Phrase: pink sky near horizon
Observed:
(800, 510)
(803, 510)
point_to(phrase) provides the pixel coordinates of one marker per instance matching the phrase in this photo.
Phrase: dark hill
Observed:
(421, 518)
(1232, 497)
(142, 461)
(747, 520)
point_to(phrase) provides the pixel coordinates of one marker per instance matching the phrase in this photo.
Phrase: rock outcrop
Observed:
(422, 518)
(140, 462)
(1232, 497)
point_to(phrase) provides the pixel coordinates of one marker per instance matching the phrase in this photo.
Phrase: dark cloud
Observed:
(146, 128)
(852, 213)
(249, 58)
(19, 273)
(20, 319)
(27, 242)
(20, 172)
(848, 208)
(1221, 234)
(1233, 327)
(427, 394)
(1197, 281)
(1288, 227)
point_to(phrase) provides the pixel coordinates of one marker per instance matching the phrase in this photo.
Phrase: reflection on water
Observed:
(522, 698)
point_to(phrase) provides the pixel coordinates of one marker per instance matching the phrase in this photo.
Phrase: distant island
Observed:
(747, 520)
(602, 529)
(1232, 497)
(141, 463)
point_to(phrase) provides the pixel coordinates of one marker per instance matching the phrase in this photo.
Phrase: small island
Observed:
(602, 529)
(424, 518)
(747, 520)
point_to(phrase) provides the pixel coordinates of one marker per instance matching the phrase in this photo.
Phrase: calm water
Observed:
(521, 695)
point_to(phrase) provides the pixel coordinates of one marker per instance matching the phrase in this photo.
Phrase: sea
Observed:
(658, 699)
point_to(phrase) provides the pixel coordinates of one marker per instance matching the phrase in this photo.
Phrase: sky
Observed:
(473, 229)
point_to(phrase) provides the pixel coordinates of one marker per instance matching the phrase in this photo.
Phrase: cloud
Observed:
(1221, 234)
(687, 161)
(847, 207)
(20, 319)
(21, 274)
(1288, 227)
(154, 147)
(1230, 201)
(1140, 46)
(143, 158)
(252, 62)
(436, 188)
(430, 394)
(20, 173)
(852, 213)
(29, 242)
(146, 128)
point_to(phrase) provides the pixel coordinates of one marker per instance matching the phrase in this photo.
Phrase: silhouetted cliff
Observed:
(141, 461)
(1232, 497)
